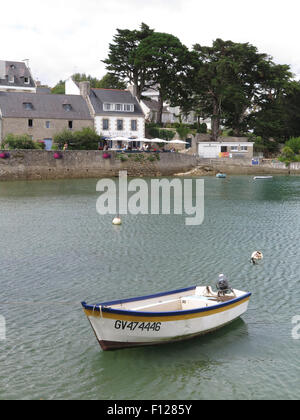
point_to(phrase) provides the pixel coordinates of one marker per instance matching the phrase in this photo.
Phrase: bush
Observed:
(161, 133)
(12, 142)
(183, 130)
(62, 138)
(294, 144)
(85, 139)
(202, 129)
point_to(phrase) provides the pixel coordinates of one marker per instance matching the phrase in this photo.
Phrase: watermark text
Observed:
(159, 196)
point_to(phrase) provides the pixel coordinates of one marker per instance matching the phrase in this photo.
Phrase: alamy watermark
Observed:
(166, 196)
(2, 328)
(296, 329)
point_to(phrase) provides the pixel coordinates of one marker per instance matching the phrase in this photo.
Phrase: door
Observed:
(208, 151)
(48, 144)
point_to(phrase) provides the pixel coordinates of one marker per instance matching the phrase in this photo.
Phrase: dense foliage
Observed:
(232, 83)
(23, 141)
(85, 139)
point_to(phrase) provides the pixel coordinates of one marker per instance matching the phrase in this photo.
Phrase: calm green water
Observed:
(56, 251)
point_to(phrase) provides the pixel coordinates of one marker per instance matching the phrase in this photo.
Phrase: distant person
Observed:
(65, 146)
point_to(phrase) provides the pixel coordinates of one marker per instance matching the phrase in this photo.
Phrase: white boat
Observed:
(263, 177)
(164, 317)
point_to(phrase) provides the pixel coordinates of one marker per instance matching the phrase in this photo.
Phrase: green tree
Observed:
(121, 61)
(108, 81)
(167, 62)
(278, 116)
(231, 79)
(59, 88)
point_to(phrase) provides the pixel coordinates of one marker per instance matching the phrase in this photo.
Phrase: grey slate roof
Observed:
(44, 106)
(154, 105)
(43, 90)
(100, 96)
(18, 70)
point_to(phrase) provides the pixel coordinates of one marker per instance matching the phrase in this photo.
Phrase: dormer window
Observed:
(26, 80)
(108, 107)
(128, 108)
(118, 107)
(67, 107)
(28, 105)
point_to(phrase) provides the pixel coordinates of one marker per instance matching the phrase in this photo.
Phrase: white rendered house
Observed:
(116, 112)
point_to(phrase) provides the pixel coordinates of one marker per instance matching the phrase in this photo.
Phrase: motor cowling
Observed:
(223, 284)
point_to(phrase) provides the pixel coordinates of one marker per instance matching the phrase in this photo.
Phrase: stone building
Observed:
(42, 116)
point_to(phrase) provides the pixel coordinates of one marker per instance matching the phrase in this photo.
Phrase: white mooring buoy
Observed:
(256, 257)
(117, 221)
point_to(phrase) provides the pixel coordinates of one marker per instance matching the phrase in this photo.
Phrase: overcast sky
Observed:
(67, 36)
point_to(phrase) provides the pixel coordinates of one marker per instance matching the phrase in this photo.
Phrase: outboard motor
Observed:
(223, 285)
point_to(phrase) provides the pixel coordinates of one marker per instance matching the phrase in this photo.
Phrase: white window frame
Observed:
(48, 124)
(11, 79)
(108, 107)
(234, 148)
(26, 80)
(244, 148)
(117, 107)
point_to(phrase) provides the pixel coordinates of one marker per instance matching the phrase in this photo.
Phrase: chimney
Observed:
(85, 89)
(133, 90)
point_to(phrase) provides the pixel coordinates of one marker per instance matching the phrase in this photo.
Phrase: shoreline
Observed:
(27, 165)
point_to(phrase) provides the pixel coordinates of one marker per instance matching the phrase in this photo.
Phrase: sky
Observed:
(63, 37)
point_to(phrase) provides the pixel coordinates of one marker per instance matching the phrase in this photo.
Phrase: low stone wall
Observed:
(245, 166)
(40, 164)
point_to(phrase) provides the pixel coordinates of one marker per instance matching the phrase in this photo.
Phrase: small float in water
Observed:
(117, 221)
(165, 317)
(256, 257)
(221, 175)
(263, 177)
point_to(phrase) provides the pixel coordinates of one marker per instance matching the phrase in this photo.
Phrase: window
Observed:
(27, 105)
(105, 124)
(234, 148)
(128, 107)
(70, 124)
(118, 107)
(244, 148)
(47, 124)
(67, 107)
(133, 124)
(223, 149)
(119, 125)
(30, 123)
(108, 107)
(11, 79)
(26, 80)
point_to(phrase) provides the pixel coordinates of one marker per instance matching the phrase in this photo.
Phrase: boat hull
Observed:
(124, 329)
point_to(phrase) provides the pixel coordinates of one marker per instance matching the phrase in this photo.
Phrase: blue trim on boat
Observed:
(103, 305)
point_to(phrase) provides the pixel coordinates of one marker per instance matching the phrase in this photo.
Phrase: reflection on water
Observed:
(56, 248)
